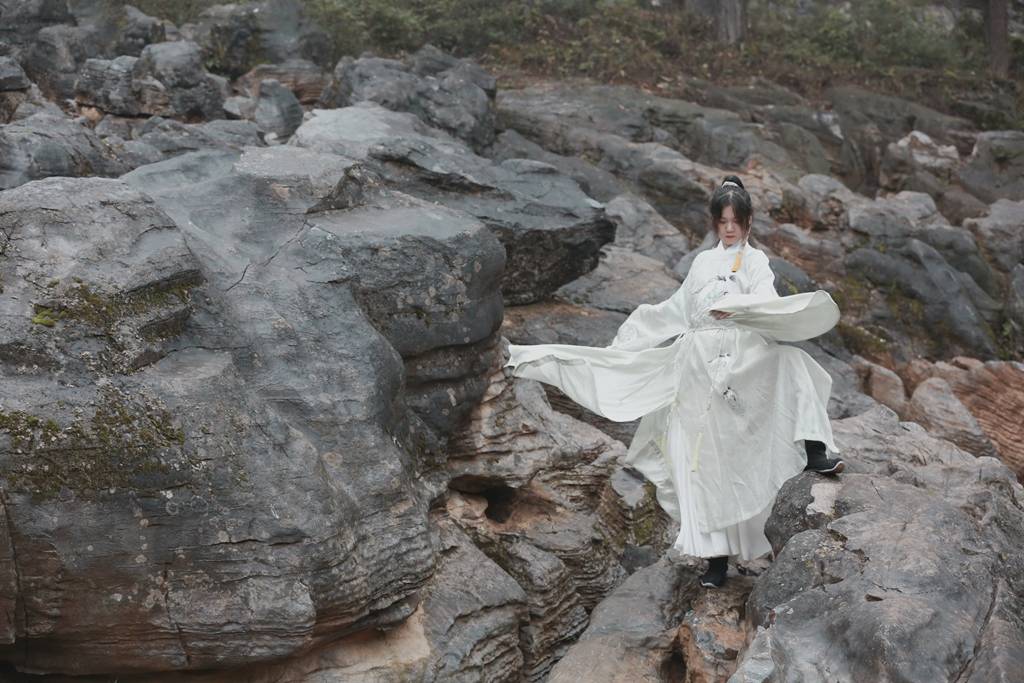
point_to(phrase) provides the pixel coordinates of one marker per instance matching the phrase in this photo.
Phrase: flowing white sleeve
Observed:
(762, 279)
(788, 318)
(651, 324)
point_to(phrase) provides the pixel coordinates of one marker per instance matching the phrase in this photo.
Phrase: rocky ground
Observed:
(254, 425)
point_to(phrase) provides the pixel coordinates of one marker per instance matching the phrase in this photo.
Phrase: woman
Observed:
(728, 415)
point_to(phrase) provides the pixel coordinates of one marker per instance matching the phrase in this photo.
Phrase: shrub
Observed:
(878, 33)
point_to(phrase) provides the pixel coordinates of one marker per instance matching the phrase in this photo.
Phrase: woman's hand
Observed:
(720, 315)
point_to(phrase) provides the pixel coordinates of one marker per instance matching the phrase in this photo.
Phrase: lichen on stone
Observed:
(126, 439)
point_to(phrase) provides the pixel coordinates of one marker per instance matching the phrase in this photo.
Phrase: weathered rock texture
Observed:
(551, 231)
(537, 494)
(905, 543)
(632, 632)
(187, 417)
(450, 94)
(715, 631)
(993, 395)
(253, 424)
(167, 79)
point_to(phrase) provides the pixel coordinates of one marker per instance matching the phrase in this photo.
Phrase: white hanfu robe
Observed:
(725, 408)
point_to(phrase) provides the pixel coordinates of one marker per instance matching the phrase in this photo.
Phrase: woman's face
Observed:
(730, 230)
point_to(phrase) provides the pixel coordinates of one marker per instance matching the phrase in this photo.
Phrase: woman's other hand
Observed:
(719, 315)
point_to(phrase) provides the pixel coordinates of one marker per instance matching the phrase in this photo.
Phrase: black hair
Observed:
(734, 195)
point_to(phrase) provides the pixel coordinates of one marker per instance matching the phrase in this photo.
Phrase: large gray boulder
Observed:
(450, 94)
(1001, 232)
(596, 182)
(276, 110)
(12, 76)
(904, 543)
(551, 231)
(226, 391)
(236, 37)
(622, 281)
(631, 633)
(870, 122)
(53, 58)
(121, 29)
(553, 521)
(568, 119)
(49, 144)
(936, 309)
(19, 21)
(938, 409)
(639, 227)
(995, 169)
(167, 79)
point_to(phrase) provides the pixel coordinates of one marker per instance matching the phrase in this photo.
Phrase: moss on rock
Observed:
(126, 439)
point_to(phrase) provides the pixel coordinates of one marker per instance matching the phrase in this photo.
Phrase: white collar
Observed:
(731, 249)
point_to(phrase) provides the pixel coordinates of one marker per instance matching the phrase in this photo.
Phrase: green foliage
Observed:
(891, 46)
(878, 33)
(179, 12)
(393, 26)
(622, 41)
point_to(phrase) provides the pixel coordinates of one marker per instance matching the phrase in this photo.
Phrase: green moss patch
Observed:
(81, 303)
(126, 440)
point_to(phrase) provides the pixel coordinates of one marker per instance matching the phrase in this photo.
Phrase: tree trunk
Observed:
(998, 29)
(731, 21)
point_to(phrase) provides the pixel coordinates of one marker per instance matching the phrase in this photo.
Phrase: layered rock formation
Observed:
(254, 425)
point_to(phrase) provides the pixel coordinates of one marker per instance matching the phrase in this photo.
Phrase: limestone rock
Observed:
(1015, 299)
(884, 385)
(993, 392)
(193, 346)
(49, 144)
(916, 162)
(170, 81)
(639, 227)
(595, 181)
(276, 110)
(455, 96)
(304, 78)
(875, 556)
(236, 37)
(12, 76)
(622, 281)
(870, 121)
(558, 322)
(53, 58)
(1001, 234)
(994, 169)
(631, 633)
(935, 406)
(714, 632)
(551, 231)
(167, 79)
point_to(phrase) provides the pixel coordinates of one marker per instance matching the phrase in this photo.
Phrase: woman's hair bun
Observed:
(733, 179)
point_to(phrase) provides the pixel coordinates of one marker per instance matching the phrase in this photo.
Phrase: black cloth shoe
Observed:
(714, 577)
(818, 461)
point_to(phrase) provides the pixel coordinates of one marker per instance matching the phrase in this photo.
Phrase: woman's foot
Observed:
(818, 461)
(714, 577)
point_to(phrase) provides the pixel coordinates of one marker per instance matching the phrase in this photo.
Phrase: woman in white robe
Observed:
(728, 414)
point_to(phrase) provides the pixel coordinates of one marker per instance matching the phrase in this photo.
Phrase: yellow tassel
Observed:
(696, 451)
(738, 261)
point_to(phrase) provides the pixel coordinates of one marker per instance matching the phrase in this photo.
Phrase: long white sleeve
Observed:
(762, 279)
(651, 324)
